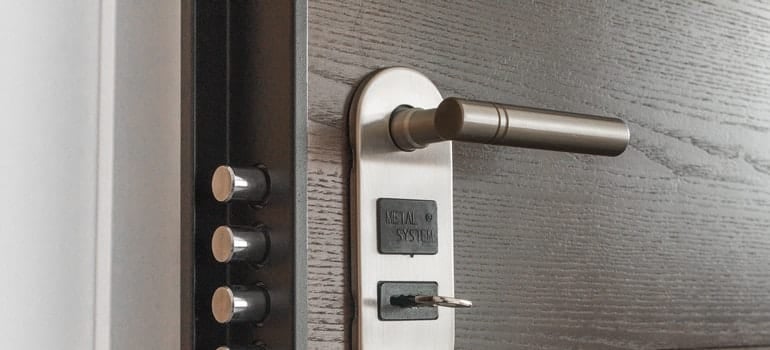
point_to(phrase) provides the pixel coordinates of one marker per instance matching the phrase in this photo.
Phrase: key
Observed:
(428, 301)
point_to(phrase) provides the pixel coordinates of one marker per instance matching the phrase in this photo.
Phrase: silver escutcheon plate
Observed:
(381, 170)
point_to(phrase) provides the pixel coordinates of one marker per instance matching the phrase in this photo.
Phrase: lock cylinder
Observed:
(240, 304)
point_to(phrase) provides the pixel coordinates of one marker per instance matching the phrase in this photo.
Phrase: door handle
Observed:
(402, 233)
(491, 123)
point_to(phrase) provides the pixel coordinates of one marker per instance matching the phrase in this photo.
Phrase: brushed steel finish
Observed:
(249, 184)
(381, 170)
(239, 244)
(490, 123)
(239, 304)
(391, 113)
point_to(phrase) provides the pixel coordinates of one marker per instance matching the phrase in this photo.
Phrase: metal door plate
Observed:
(380, 170)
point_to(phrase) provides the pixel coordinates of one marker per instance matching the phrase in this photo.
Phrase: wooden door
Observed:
(664, 247)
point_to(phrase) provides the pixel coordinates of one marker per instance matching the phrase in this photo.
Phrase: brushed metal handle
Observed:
(382, 112)
(491, 123)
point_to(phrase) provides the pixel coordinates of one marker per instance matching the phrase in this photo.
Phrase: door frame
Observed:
(244, 81)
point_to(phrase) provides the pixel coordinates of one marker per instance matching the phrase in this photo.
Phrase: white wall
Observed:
(48, 166)
(89, 174)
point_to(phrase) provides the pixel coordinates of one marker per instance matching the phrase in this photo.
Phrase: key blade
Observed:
(434, 300)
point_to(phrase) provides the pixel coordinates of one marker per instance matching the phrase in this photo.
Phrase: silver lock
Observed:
(401, 195)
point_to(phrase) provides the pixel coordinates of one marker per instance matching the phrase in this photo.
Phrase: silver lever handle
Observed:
(490, 123)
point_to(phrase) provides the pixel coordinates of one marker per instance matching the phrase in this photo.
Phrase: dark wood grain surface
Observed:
(667, 246)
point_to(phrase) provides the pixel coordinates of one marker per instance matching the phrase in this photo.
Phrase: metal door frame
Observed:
(244, 99)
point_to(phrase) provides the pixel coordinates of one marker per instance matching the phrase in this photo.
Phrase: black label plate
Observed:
(406, 226)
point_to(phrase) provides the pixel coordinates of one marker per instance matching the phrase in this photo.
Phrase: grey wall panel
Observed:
(664, 247)
(145, 291)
